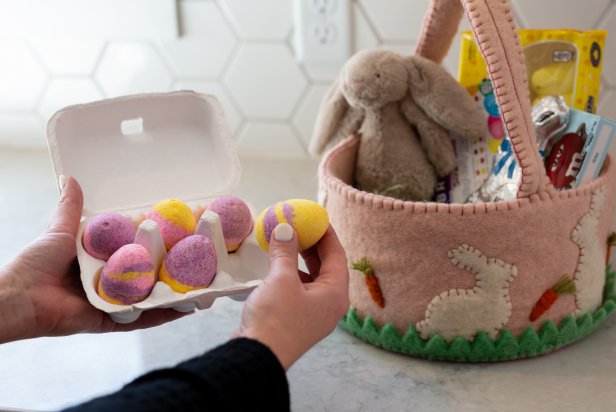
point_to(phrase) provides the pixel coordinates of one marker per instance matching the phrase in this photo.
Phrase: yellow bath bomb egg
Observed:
(309, 219)
(175, 219)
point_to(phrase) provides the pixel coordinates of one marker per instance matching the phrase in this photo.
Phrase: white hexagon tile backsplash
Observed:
(22, 77)
(265, 80)
(241, 51)
(67, 91)
(68, 56)
(206, 44)
(130, 67)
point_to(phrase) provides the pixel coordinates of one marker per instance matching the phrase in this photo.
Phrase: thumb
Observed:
(283, 252)
(67, 215)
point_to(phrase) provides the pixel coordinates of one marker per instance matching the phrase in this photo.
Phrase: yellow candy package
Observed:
(559, 62)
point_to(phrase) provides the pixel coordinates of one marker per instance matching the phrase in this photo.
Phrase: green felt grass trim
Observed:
(482, 348)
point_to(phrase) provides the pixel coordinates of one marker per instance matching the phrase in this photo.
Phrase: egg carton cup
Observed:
(237, 273)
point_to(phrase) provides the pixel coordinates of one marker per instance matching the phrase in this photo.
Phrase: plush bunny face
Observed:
(373, 78)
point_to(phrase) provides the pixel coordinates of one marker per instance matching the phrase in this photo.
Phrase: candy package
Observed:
(475, 157)
(578, 152)
(573, 143)
(560, 62)
(550, 116)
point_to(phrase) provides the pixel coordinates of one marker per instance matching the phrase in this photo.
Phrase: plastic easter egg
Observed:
(485, 87)
(106, 233)
(309, 220)
(495, 125)
(128, 276)
(489, 103)
(175, 219)
(191, 264)
(494, 144)
(235, 219)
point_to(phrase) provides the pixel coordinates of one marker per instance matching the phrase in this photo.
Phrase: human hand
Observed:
(41, 292)
(291, 310)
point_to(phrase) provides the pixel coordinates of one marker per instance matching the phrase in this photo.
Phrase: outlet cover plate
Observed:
(323, 31)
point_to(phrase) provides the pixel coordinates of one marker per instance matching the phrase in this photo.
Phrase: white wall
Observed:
(241, 51)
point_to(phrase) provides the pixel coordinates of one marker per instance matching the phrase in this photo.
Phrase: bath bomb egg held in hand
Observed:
(128, 276)
(235, 220)
(175, 220)
(191, 264)
(309, 220)
(106, 233)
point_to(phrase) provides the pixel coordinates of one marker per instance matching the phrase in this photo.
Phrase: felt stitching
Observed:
(494, 68)
(430, 31)
(461, 312)
(588, 273)
(509, 113)
(354, 195)
(427, 31)
(481, 348)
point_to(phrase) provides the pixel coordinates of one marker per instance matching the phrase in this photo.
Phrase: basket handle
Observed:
(495, 32)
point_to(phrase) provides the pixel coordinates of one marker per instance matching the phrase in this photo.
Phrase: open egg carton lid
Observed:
(129, 153)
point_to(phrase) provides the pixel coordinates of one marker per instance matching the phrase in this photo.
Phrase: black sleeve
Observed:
(242, 374)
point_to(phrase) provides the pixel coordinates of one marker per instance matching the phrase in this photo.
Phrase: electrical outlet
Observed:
(322, 33)
(322, 6)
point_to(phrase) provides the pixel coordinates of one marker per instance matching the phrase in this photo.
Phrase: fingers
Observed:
(283, 252)
(67, 215)
(305, 277)
(313, 262)
(333, 270)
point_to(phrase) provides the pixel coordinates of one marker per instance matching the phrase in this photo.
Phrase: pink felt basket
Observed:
(459, 281)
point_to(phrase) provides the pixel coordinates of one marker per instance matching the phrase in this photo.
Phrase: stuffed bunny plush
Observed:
(403, 108)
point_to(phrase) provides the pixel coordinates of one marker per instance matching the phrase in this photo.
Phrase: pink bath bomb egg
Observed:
(191, 264)
(128, 276)
(106, 233)
(235, 219)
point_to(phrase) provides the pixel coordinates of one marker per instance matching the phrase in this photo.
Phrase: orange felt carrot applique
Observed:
(611, 241)
(372, 282)
(565, 286)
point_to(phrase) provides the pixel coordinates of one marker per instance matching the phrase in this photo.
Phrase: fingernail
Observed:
(283, 232)
(62, 182)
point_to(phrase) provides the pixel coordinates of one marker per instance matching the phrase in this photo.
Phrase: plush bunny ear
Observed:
(332, 112)
(443, 99)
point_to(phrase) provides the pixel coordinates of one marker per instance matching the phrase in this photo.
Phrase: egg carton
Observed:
(129, 153)
(237, 273)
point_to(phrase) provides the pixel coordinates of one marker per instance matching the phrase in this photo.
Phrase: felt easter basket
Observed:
(459, 281)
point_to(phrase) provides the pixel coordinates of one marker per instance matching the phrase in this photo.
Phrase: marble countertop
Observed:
(341, 373)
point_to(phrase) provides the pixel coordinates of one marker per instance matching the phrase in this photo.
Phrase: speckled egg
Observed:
(235, 220)
(128, 276)
(106, 233)
(175, 219)
(191, 264)
(309, 219)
